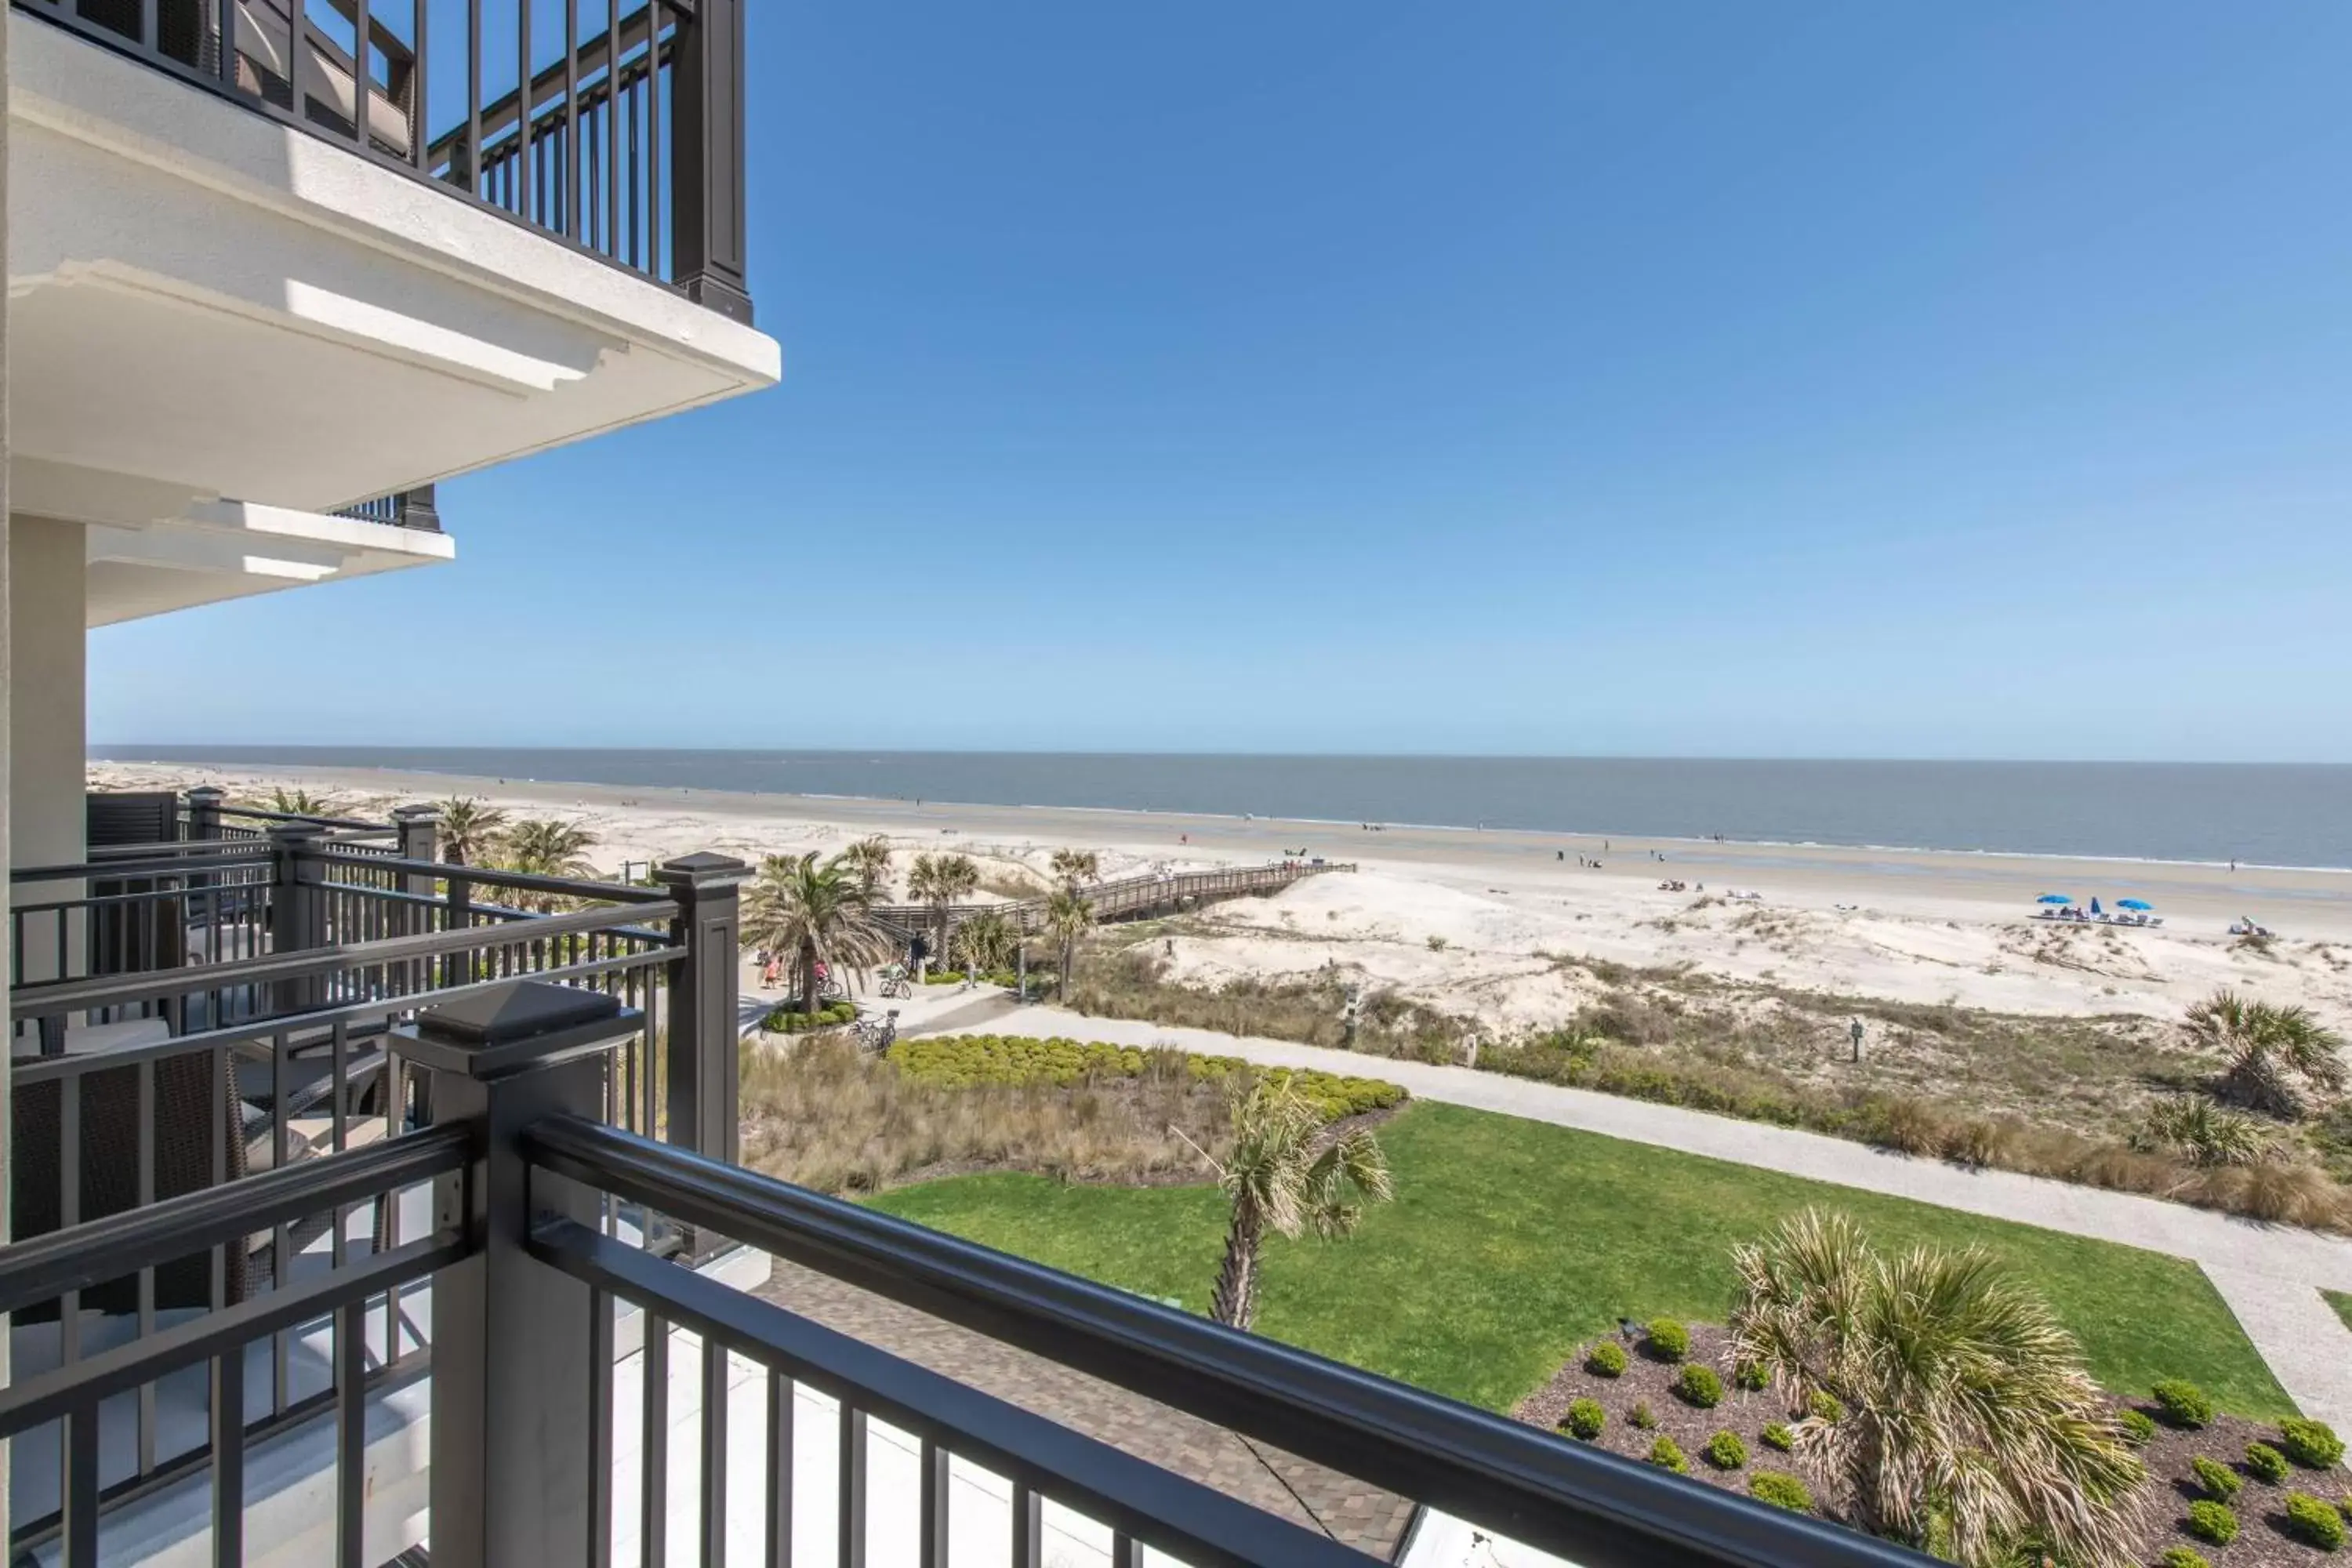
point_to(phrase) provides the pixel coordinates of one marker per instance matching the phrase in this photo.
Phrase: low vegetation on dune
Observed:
(827, 1116)
(2240, 1111)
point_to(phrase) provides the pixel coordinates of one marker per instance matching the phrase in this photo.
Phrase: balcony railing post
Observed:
(298, 908)
(204, 811)
(704, 1074)
(707, 209)
(512, 1376)
(420, 839)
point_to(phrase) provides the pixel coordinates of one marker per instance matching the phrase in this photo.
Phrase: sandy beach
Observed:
(1478, 922)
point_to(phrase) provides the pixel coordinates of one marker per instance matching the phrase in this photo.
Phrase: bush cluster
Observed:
(1698, 1386)
(2183, 1403)
(2314, 1519)
(1778, 1436)
(2220, 1482)
(2139, 1426)
(1607, 1360)
(2266, 1463)
(1725, 1451)
(1782, 1490)
(1667, 1455)
(1585, 1418)
(789, 1020)
(1667, 1340)
(2311, 1444)
(2212, 1521)
(964, 1062)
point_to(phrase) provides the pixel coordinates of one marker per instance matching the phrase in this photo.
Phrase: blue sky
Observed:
(1527, 378)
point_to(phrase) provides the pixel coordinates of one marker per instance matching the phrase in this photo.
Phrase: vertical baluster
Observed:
(69, 1205)
(600, 1429)
(420, 79)
(612, 129)
(350, 1434)
(298, 37)
(79, 1549)
(653, 137)
(229, 1457)
(363, 72)
(572, 118)
(525, 188)
(146, 1191)
(282, 1244)
(714, 1453)
(779, 1470)
(653, 1527)
(474, 172)
(932, 1545)
(226, 11)
(853, 1487)
(1028, 1528)
(1124, 1552)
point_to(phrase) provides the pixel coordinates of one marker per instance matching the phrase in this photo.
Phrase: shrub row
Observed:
(789, 1020)
(965, 1061)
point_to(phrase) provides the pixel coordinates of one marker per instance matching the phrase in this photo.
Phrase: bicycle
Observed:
(877, 1034)
(896, 983)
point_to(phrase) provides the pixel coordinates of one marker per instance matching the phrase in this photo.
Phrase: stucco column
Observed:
(46, 725)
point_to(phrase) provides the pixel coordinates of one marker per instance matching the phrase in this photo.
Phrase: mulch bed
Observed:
(2261, 1542)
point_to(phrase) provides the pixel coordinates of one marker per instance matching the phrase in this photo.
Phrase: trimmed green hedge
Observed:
(1725, 1451)
(1699, 1386)
(1825, 1406)
(1782, 1490)
(2183, 1557)
(2314, 1444)
(1607, 1360)
(2266, 1462)
(1667, 1340)
(790, 1020)
(2220, 1482)
(2212, 1521)
(1667, 1455)
(1778, 1436)
(2139, 1426)
(1585, 1418)
(2314, 1519)
(2183, 1403)
(965, 1061)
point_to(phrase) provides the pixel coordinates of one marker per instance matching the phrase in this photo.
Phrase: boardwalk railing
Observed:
(1124, 898)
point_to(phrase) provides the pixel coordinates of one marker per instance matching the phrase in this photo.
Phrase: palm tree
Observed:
(301, 802)
(985, 939)
(1287, 1173)
(868, 861)
(1970, 1424)
(548, 847)
(819, 914)
(2275, 1056)
(1077, 868)
(1069, 917)
(939, 880)
(470, 829)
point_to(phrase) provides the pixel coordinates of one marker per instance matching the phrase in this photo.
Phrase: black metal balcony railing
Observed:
(615, 125)
(408, 509)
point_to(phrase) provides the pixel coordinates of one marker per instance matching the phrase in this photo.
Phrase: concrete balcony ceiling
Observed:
(218, 322)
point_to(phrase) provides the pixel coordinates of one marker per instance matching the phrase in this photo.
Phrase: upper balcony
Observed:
(255, 264)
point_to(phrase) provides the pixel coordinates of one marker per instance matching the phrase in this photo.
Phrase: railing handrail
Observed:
(72, 995)
(204, 854)
(266, 815)
(1596, 1509)
(525, 881)
(122, 1244)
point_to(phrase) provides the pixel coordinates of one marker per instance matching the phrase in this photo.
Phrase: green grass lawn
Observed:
(2342, 1301)
(1512, 1242)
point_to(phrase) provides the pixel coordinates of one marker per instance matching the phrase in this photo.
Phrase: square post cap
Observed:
(702, 872)
(427, 812)
(515, 1027)
(207, 794)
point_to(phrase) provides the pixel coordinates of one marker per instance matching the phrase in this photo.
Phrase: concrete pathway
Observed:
(2271, 1276)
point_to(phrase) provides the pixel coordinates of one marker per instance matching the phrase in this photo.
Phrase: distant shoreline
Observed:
(165, 757)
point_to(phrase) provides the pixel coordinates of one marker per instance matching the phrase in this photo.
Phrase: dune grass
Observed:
(2342, 1301)
(1511, 1243)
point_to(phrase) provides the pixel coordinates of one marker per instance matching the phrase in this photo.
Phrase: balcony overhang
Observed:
(223, 304)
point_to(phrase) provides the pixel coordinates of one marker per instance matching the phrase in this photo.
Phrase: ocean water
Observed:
(2277, 814)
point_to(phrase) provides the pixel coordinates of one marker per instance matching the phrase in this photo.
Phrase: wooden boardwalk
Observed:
(1129, 897)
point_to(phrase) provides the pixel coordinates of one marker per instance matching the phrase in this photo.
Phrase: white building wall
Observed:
(46, 699)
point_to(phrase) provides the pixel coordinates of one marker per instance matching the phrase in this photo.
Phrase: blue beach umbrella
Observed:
(2054, 899)
(2134, 904)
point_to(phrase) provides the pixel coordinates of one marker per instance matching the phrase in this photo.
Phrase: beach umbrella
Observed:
(2054, 899)
(2134, 904)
